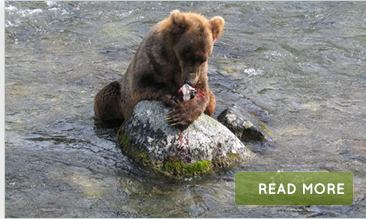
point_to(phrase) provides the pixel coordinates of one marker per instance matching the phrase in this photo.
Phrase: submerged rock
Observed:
(246, 127)
(204, 146)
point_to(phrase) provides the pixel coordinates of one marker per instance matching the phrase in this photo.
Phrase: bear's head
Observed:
(193, 40)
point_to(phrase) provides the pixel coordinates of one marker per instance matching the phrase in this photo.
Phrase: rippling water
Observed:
(303, 62)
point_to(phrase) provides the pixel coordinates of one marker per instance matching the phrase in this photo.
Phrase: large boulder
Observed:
(206, 145)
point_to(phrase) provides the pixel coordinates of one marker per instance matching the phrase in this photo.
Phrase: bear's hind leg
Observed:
(108, 104)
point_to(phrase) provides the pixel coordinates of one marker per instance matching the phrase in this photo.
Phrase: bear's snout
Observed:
(190, 79)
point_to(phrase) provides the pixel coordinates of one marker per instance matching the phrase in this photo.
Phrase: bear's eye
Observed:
(194, 59)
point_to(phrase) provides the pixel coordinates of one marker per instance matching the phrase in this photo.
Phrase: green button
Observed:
(293, 188)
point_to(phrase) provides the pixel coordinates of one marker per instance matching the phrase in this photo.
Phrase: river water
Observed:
(303, 62)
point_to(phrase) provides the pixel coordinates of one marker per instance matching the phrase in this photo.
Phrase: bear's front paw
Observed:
(170, 100)
(182, 115)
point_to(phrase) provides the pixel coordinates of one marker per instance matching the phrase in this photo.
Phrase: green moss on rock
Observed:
(227, 161)
(233, 157)
(180, 168)
(266, 129)
(130, 151)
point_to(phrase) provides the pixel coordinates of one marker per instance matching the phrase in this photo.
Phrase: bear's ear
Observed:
(217, 25)
(178, 21)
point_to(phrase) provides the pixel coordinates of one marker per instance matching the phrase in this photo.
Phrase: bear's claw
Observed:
(177, 119)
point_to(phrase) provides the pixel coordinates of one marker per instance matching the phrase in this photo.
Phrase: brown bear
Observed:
(175, 52)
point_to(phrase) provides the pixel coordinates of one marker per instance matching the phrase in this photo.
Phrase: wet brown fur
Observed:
(174, 51)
